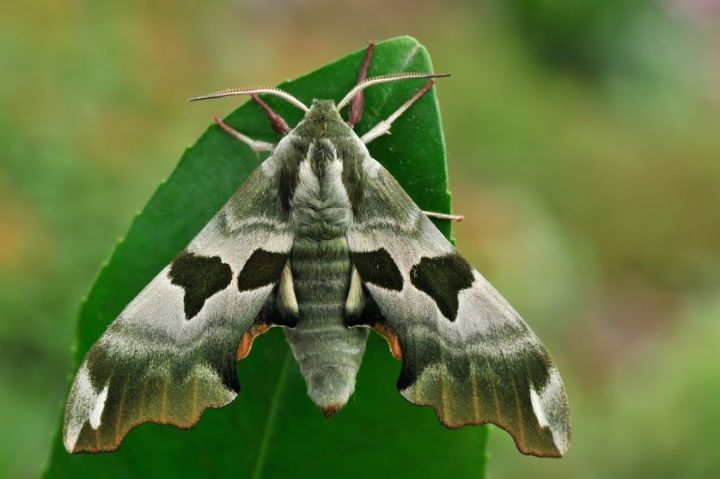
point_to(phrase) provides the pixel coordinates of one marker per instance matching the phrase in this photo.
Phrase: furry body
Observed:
(328, 352)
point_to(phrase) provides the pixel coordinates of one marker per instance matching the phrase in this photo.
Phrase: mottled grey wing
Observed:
(465, 351)
(172, 352)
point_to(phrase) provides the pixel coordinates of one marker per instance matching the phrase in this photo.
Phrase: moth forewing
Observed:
(465, 351)
(171, 353)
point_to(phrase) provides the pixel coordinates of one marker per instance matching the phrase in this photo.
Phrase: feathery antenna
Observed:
(385, 79)
(254, 91)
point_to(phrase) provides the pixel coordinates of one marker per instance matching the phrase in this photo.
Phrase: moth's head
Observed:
(320, 108)
(323, 110)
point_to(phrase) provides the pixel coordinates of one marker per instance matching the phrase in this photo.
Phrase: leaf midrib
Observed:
(270, 421)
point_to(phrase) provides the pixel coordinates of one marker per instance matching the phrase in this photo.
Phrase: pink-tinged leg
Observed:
(276, 121)
(255, 145)
(383, 127)
(358, 105)
(444, 216)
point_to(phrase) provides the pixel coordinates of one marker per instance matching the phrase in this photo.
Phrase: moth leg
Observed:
(358, 104)
(255, 145)
(444, 216)
(383, 128)
(277, 122)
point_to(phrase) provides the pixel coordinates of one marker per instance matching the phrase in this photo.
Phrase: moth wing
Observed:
(464, 349)
(172, 352)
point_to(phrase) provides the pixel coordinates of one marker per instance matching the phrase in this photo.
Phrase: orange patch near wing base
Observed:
(247, 340)
(386, 332)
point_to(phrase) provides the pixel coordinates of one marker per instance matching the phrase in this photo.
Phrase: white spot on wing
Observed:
(550, 409)
(96, 413)
(537, 409)
(82, 399)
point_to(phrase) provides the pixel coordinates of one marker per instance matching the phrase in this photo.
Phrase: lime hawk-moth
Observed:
(322, 241)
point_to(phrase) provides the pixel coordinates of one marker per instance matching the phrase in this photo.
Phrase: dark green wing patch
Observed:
(174, 392)
(377, 267)
(479, 388)
(261, 269)
(200, 277)
(442, 279)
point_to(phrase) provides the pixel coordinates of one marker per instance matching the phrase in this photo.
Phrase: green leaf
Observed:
(273, 430)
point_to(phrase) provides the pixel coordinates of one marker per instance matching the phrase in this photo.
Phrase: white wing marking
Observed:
(96, 413)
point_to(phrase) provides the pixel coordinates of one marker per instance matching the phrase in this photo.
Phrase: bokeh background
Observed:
(584, 150)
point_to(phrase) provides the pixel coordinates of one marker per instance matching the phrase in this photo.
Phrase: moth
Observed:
(322, 241)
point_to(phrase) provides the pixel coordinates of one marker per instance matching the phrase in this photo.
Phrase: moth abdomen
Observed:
(329, 353)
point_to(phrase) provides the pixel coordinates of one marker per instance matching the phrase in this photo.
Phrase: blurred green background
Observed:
(583, 149)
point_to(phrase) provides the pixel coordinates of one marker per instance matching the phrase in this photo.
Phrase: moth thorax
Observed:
(320, 202)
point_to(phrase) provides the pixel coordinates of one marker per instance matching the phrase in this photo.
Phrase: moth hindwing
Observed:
(323, 241)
